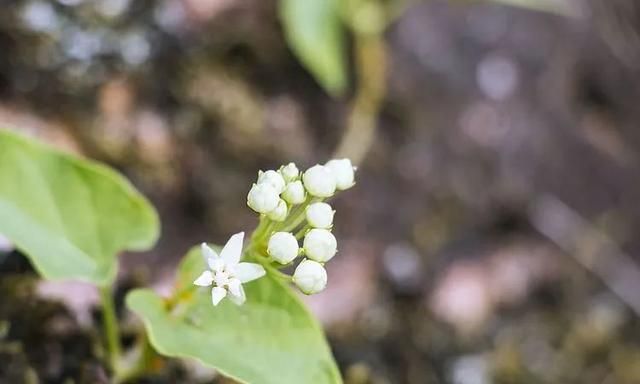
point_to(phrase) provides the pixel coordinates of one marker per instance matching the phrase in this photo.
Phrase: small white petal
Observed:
(240, 298)
(234, 287)
(246, 272)
(233, 249)
(208, 252)
(204, 280)
(216, 264)
(217, 294)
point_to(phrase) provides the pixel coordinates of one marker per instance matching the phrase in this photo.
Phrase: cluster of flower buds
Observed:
(293, 202)
(291, 209)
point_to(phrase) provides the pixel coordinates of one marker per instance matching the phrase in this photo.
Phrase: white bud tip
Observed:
(289, 172)
(294, 193)
(320, 245)
(319, 181)
(310, 276)
(280, 212)
(263, 198)
(320, 215)
(343, 171)
(283, 247)
(272, 178)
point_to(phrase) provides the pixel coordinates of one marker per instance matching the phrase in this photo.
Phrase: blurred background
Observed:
(492, 236)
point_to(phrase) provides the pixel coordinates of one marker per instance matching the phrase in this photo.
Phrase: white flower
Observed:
(227, 273)
(263, 198)
(283, 247)
(289, 172)
(320, 215)
(272, 178)
(343, 171)
(320, 245)
(319, 181)
(280, 212)
(310, 277)
(294, 193)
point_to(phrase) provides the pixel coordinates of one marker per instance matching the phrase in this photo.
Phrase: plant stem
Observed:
(370, 67)
(138, 361)
(301, 232)
(299, 215)
(110, 324)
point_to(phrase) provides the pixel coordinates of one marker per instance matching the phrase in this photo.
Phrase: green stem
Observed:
(266, 263)
(299, 215)
(302, 231)
(110, 324)
(138, 361)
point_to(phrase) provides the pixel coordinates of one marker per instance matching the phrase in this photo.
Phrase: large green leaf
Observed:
(71, 217)
(271, 339)
(315, 34)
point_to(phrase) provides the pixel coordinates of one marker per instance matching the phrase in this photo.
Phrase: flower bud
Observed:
(289, 172)
(310, 277)
(343, 171)
(280, 211)
(320, 245)
(283, 247)
(262, 198)
(320, 215)
(272, 178)
(294, 193)
(319, 181)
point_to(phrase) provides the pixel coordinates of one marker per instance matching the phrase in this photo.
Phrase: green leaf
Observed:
(71, 217)
(271, 339)
(314, 32)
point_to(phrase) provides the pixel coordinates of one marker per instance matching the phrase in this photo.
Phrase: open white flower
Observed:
(227, 273)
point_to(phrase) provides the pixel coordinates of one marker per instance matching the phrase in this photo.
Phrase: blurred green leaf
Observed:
(271, 339)
(315, 34)
(71, 217)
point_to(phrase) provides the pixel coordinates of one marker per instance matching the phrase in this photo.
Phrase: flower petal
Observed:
(240, 298)
(204, 280)
(235, 286)
(233, 249)
(217, 294)
(208, 252)
(246, 272)
(216, 264)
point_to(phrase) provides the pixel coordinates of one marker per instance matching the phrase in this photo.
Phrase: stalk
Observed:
(110, 326)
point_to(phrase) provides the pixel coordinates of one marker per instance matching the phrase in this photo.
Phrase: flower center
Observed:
(221, 279)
